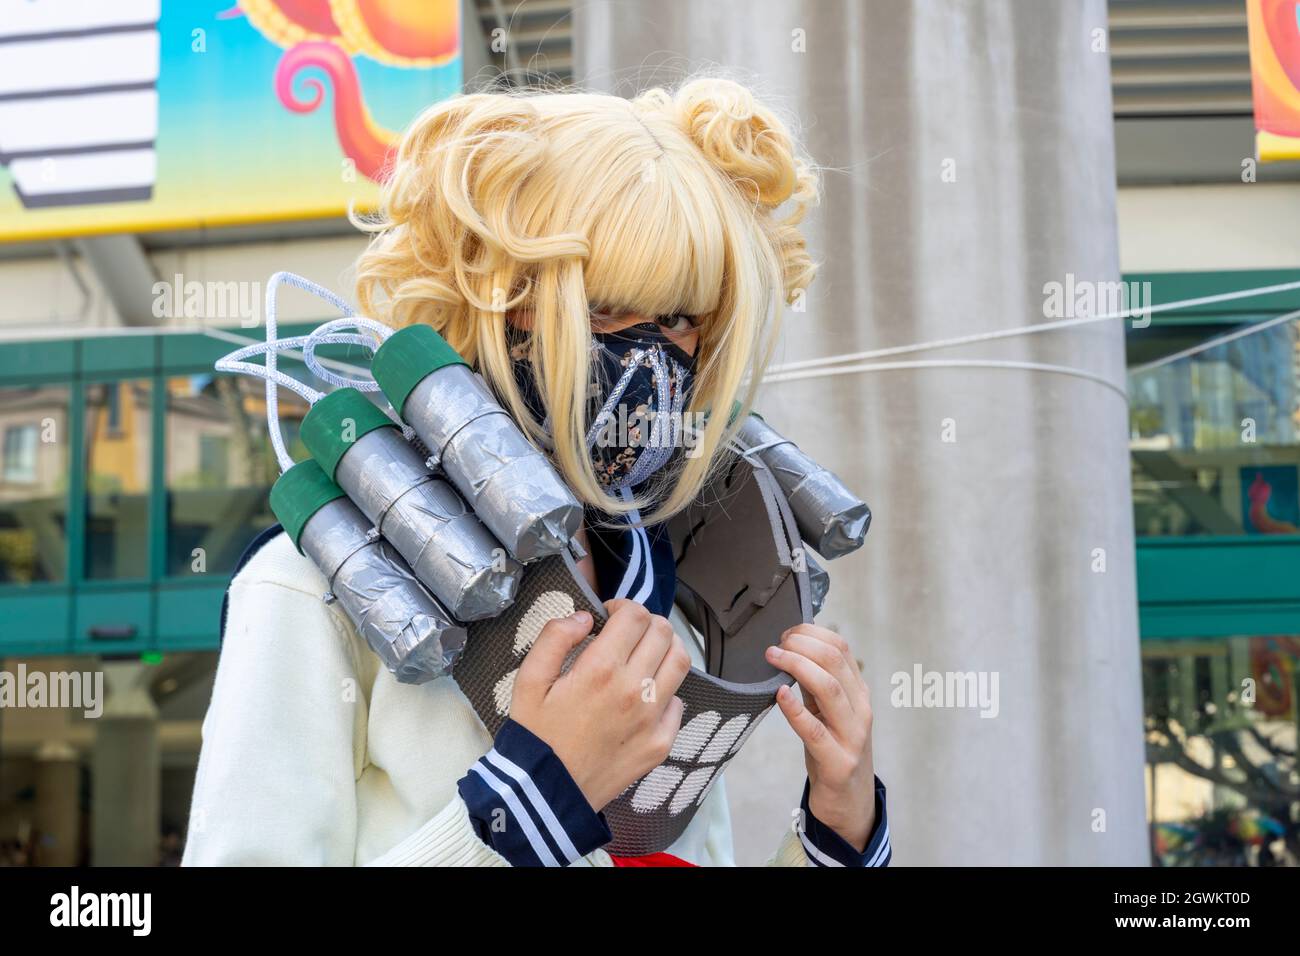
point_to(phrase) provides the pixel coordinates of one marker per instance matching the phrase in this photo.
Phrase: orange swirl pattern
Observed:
(1274, 28)
(406, 33)
(363, 141)
(411, 34)
(289, 22)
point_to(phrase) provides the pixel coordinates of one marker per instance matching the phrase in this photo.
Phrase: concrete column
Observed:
(969, 155)
(127, 774)
(58, 804)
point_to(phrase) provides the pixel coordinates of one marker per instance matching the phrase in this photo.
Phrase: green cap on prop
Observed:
(335, 423)
(735, 410)
(298, 494)
(407, 358)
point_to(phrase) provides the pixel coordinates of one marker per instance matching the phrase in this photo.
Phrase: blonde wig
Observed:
(557, 205)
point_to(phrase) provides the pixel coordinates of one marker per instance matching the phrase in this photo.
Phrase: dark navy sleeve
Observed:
(825, 847)
(524, 804)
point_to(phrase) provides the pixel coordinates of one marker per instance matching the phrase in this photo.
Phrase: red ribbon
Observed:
(650, 859)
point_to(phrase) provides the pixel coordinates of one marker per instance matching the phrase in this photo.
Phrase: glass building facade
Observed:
(1214, 417)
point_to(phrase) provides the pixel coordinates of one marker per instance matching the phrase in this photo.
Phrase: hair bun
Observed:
(753, 147)
(741, 137)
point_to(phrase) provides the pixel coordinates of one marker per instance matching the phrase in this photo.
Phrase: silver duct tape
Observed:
(414, 636)
(508, 483)
(378, 469)
(830, 517)
(819, 582)
(478, 578)
(429, 524)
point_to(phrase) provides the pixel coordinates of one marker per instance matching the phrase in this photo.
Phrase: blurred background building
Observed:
(132, 476)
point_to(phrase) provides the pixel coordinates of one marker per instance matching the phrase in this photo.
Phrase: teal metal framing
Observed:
(1217, 586)
(167, 612)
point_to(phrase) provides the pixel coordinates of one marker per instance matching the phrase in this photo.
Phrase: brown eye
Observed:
(676, 323)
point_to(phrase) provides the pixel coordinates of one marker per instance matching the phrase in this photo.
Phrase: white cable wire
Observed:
(272, 395)
(1033, 366)
(789, 371)
(1211, 343)
(237, 362)
(948, 363)
(234, 362)
(1031, 329)
(826, 372)
(225, 335)
(325, 334)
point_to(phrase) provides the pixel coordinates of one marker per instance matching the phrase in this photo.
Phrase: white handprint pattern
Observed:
(549, 605)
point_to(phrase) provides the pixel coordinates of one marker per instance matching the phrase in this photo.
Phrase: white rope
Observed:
(326, 334)
(1212, 343)
(824, 367)
(272, 395)
(828, 366)
(1031, 329)
(237, 362)
(225, 335)
(949, 363)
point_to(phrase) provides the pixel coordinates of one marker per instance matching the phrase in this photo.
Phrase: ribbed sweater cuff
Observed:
(449, 839)
(790, 852)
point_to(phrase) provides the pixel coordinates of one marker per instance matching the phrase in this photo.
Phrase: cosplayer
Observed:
(524, 608)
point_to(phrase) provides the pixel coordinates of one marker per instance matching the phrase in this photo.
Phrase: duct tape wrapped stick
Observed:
(411, 632)
(819, 582)
(830, 517)
(422, 516)
(508, 483)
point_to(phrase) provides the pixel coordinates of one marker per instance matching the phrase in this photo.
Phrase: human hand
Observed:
(612, 717)
(834, 723)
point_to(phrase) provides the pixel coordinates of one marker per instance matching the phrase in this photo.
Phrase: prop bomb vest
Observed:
(452, 562)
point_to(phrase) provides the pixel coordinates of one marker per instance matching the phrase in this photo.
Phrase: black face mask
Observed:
(640, 384)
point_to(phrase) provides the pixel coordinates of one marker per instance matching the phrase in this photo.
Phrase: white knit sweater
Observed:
(314, 755)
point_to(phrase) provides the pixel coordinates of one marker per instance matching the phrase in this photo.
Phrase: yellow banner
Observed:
(136, 115)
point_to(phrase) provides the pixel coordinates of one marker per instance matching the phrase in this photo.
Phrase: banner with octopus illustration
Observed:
(137, 115)
(1274, 27)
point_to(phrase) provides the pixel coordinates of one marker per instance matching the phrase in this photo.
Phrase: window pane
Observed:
(118, 454)
(220, 468)
(1215, 439)
(1221, 719)
(33, 483)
